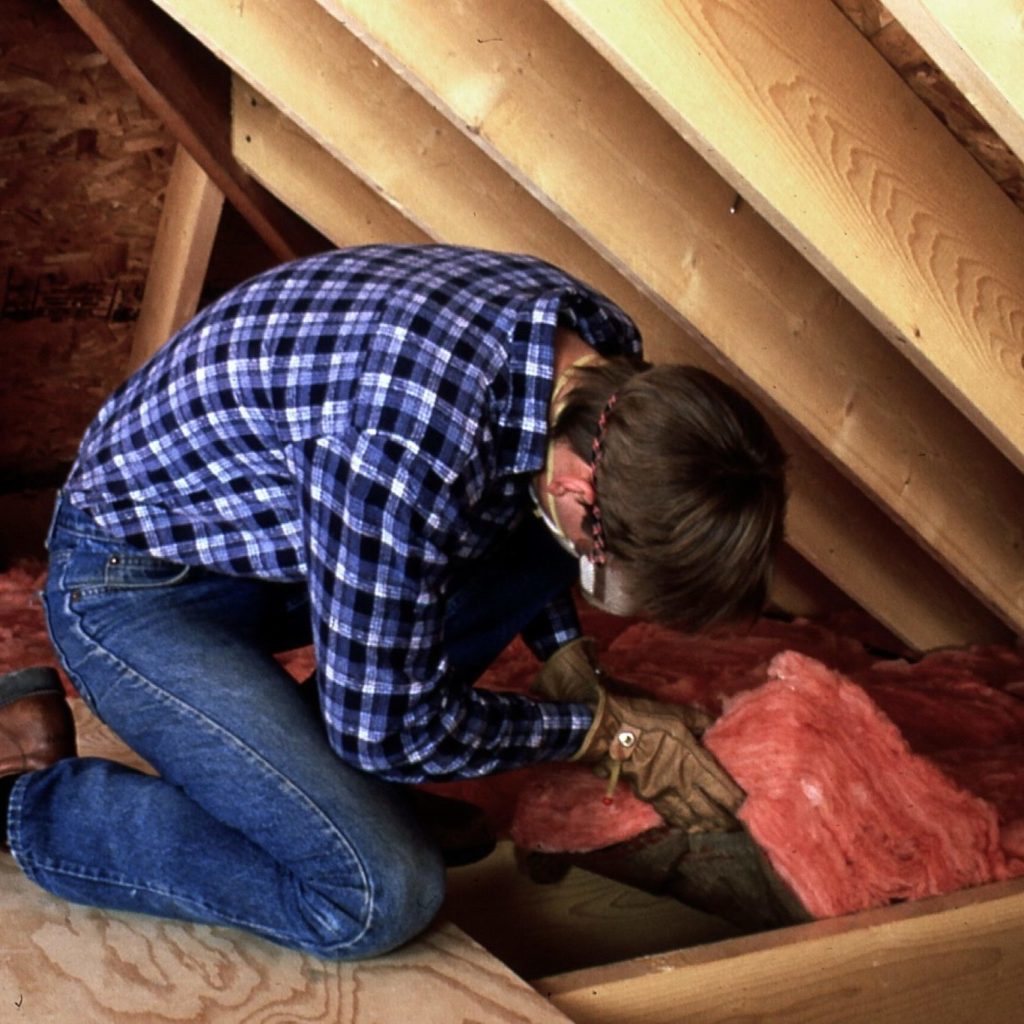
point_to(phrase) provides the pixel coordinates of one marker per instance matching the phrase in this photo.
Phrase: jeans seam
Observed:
(204, 722)
(36, 869)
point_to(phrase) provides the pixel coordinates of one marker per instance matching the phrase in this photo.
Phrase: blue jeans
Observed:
(252, 821)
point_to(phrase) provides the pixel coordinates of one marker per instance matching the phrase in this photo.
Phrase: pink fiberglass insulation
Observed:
(704, 669)
(1001, 667)
(847, 814)
(942, 713)
(565, 807)
(943, 703)
(563, 811)
(996, 775)
(23, 640)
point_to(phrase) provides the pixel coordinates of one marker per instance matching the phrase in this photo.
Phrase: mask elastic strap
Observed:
(558, 402)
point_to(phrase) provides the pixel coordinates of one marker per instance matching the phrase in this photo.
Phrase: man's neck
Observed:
(569, 347)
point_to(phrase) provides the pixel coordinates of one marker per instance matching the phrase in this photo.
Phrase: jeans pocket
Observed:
(100, 572)
(99, 600)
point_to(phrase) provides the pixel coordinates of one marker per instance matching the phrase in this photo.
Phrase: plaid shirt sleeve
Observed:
(376, 532)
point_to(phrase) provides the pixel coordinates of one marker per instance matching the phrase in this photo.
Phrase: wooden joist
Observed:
(794, 108)
(945, 960)
(802, 348)
(830, 520)
(181, 256)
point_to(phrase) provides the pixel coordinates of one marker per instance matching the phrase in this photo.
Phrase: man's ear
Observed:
(576, 484)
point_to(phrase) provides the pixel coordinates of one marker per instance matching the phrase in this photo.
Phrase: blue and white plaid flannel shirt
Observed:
(365, 420)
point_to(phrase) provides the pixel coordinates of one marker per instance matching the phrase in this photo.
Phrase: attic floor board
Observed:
(60, 962)
(583, 919)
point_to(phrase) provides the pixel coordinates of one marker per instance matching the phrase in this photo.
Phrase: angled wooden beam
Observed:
(786, 101)
(744, 289)
(830, 522)
(944, 960)
(181, 256)
(188, 89)
(304, 176)
(338, 92)
(979, 46)
(799, 589)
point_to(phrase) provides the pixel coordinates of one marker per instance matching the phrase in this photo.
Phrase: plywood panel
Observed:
(65, 963)
(83, 166)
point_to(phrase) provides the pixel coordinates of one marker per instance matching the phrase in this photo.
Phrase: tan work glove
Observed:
(653, 745)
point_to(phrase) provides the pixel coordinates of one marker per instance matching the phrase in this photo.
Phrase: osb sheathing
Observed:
(83, 168)
(920, 72)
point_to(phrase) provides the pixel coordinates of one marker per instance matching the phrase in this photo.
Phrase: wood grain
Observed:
(750, 295)
(308, 179)
(785, 101)
(581, 920)
(956, 959)
(181, 256)
(979, 46)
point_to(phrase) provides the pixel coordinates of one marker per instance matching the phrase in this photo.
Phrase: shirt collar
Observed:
(522, 419)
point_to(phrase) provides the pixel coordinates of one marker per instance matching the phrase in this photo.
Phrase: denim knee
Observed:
(402, 899)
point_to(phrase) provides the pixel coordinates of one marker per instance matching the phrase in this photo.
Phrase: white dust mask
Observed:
(602, 584)
(604, 587)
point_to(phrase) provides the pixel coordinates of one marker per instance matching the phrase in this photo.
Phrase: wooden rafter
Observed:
(189, 90)
(785, 101)
(347, 145)
(305, 177)
(440, 183)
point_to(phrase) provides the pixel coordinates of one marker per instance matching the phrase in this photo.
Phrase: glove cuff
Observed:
(589, 749)
(570, 674)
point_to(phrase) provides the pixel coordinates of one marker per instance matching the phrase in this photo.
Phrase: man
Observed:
(384, 450)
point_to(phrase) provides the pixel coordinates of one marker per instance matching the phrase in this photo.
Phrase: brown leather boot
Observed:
(36, 727)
